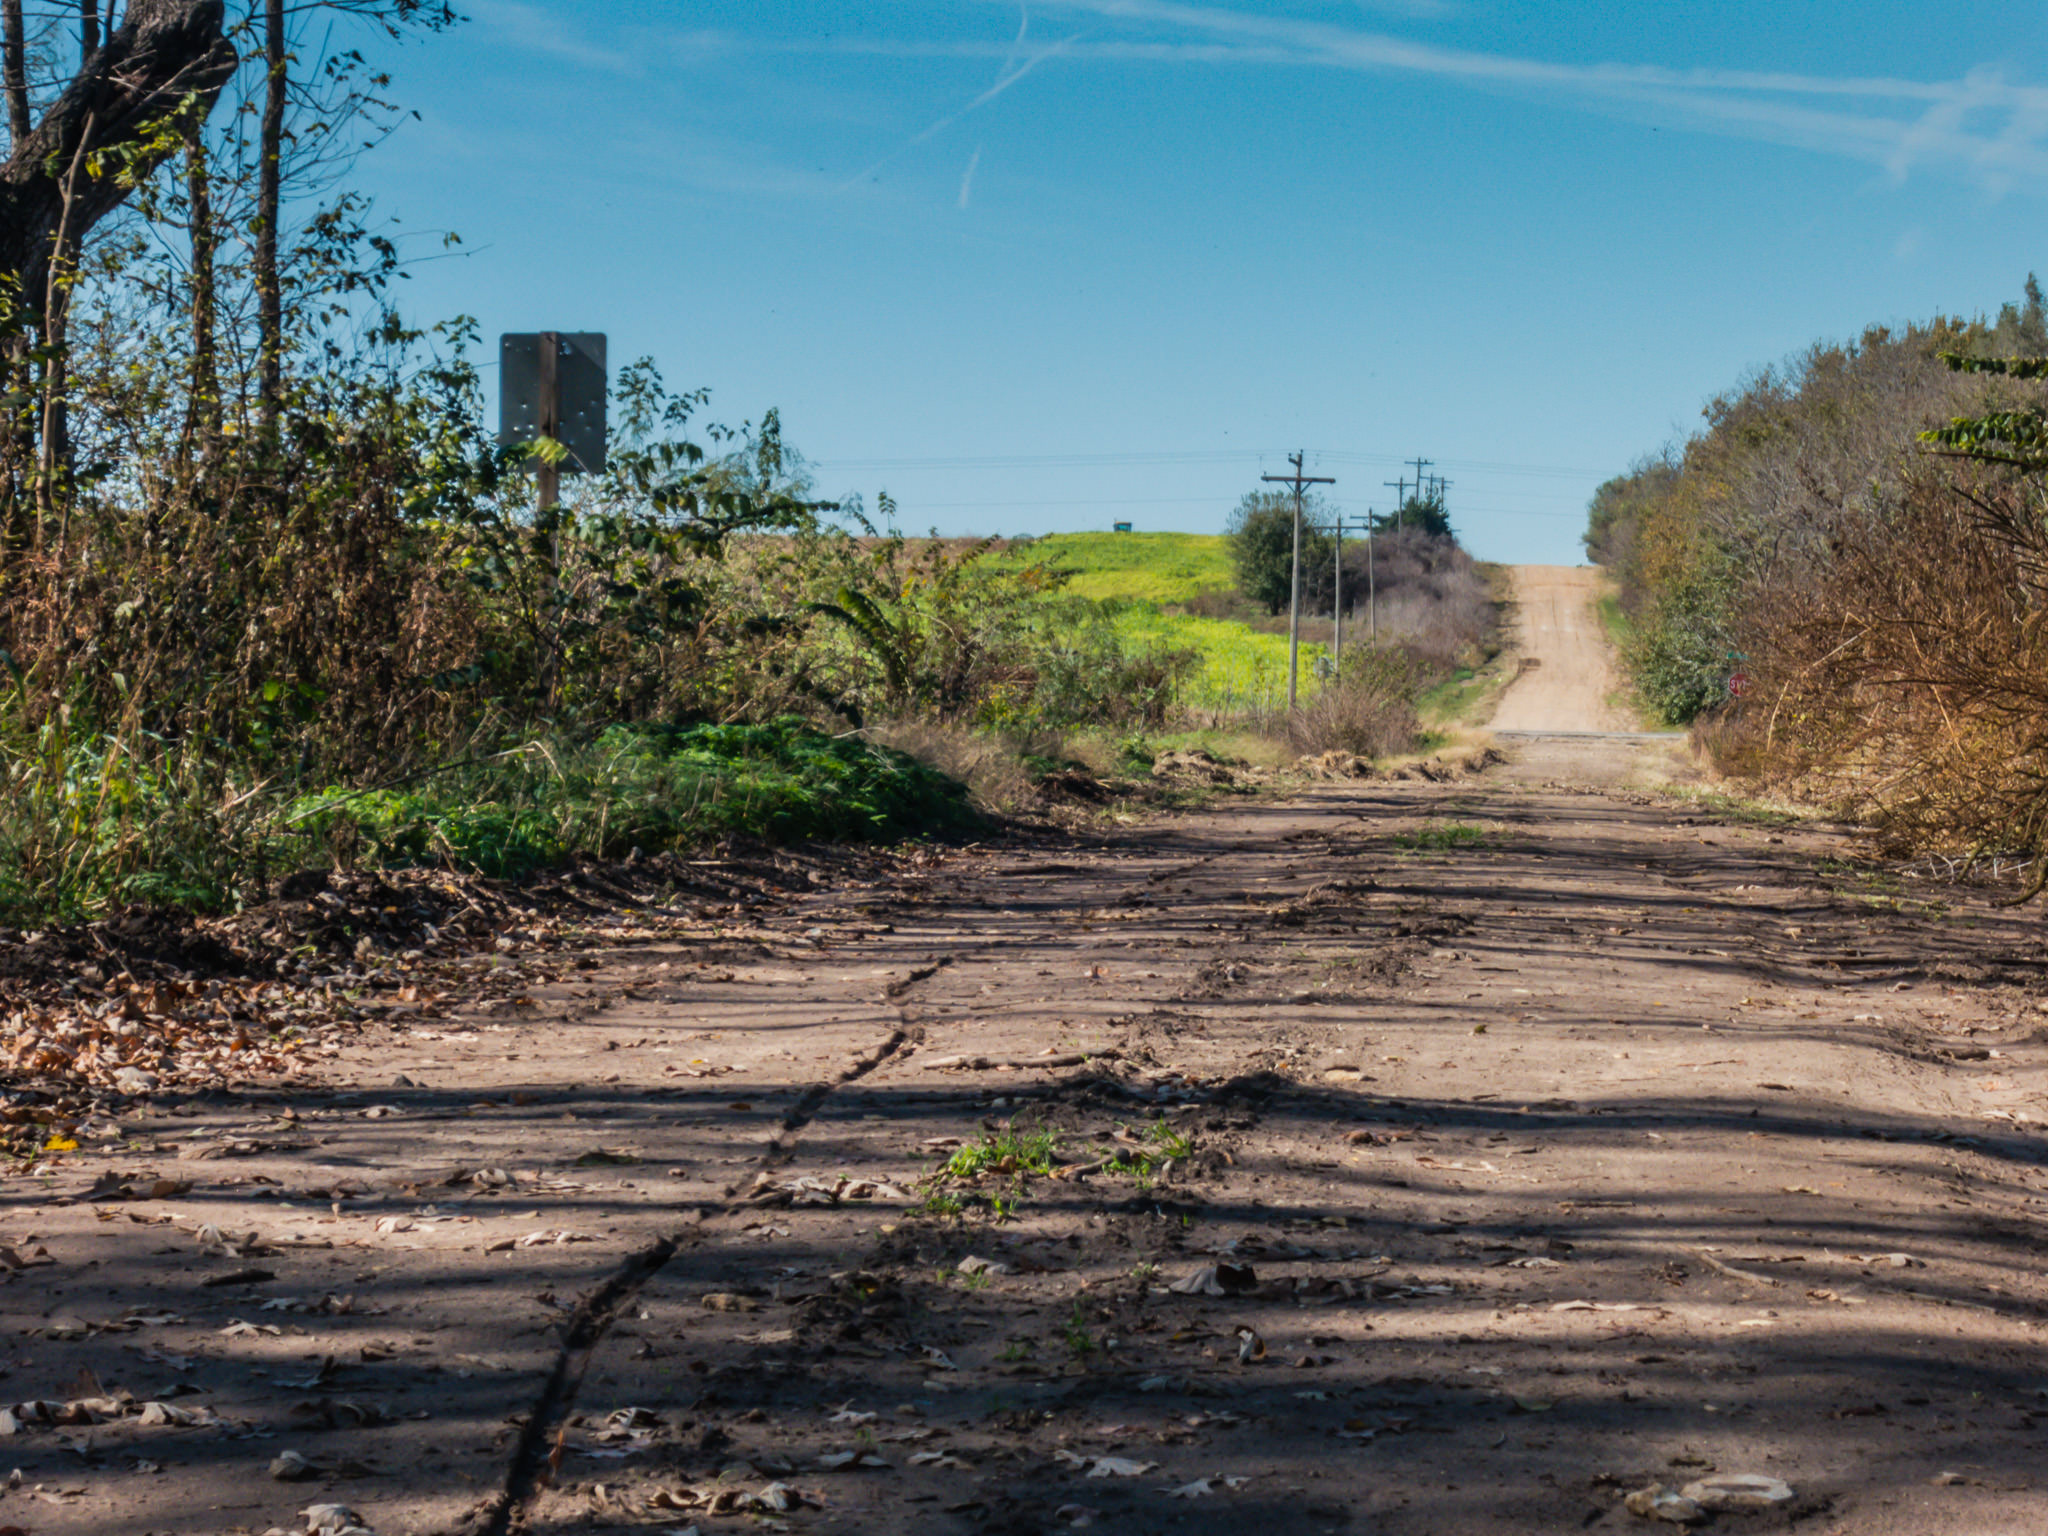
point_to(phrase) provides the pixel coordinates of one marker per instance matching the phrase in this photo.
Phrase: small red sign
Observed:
(1738, 684)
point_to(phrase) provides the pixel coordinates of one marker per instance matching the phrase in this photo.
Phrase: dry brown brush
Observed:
(1909, 683)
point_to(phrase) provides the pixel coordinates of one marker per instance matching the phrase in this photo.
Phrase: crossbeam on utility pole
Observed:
(1298, 480)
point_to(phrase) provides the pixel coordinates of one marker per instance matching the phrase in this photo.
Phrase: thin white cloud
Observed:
(533, 29)
(1009, 76)
(1982, 125)
(967, 181)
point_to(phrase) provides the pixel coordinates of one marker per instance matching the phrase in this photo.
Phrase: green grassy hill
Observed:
(1150, 567)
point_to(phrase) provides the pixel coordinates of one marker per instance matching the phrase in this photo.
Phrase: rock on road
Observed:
(1432, 1158)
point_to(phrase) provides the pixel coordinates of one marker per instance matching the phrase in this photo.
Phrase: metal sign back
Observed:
(579, 390)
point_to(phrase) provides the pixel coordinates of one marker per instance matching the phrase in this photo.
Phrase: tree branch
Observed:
(163, 52)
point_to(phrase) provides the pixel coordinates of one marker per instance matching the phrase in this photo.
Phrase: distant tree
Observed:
(1425, 512)
(2021, 329)
(1619, 505)
(1261, 533)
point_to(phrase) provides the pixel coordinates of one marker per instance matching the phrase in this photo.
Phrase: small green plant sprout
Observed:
(1144, 1157)
(1080, 1342)
(1016, 1350)
(1005, 1152)
(1173, 1143)
(1440, 837)
(1145, 1271)
(1009, 1154)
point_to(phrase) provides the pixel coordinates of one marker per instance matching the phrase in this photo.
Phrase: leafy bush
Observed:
(85, 826)
(1865, 534)
(650, 789)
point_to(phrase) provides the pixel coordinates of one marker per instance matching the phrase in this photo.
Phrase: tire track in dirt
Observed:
(536, 1454)
(1469, 1080)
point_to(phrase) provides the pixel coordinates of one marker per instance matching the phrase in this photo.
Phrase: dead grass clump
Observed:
(1223, 603)
(1909, 685)
(996, 768)
(1369, 711)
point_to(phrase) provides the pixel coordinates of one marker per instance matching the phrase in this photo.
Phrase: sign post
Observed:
(551, 384)
(551, 388)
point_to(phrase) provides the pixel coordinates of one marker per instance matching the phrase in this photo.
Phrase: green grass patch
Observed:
(1621, 634)
(1074, 1333)
(1441, 837)
(1009, 1157)
(1141, 577)
(1460, 697)
(90, 824)
(650, 789)
(1161, 1144)
(1619, 631)
(1147, 567)
(1004, 1152)
(1240, 671)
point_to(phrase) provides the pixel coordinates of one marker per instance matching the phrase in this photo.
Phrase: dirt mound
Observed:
(1337, 765)
(1432, 770)
(1073, 782)
(1447, 769)
(1194, 764)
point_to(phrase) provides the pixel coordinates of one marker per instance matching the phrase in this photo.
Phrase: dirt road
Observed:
(1568, 681)
(1522, 1145)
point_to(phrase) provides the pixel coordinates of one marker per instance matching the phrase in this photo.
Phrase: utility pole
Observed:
(1400, 490)
(1372, 583)
(1420, 464)
(1298, 480)
(1372, 595)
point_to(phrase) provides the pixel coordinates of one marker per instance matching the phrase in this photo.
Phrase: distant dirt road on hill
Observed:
(1569, 677)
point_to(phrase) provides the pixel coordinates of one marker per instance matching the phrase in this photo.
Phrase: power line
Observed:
(1191, 457)
(1201, 501)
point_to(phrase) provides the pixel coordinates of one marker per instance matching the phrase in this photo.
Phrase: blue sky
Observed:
(1053, 266)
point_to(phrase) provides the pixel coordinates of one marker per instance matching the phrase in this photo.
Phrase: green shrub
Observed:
(653, 789)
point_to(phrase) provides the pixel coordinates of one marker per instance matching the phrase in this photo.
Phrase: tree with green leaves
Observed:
(1426, 512)
(1261, 534)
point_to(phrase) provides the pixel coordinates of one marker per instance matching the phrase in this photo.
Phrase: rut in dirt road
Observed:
(1402, 1157)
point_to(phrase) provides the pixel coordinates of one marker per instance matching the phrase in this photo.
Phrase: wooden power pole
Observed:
(1298, 480)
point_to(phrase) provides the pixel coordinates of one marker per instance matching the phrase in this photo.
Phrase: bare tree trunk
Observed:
(55, 464)
(15, 436)
(164, 52)
(88, 28)
(203, 409)
(269, 297)
(164, 55)
(14, 54)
